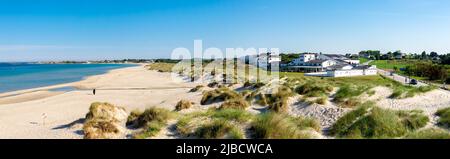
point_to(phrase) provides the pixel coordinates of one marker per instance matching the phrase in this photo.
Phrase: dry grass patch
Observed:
(104, 121)
(183, 104)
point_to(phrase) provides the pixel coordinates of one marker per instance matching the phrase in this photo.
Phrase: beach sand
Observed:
(38, 113)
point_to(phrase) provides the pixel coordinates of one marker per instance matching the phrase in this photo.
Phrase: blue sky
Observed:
(33, 30)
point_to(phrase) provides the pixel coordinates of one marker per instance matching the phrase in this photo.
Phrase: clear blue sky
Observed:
(32, 30)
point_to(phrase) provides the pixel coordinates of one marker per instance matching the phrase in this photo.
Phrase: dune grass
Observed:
(278, 102)
(413, 120)
(281, 126)
(161, 66)
(219, 129)
(209, 124)
(430, 133)
(238, 103)
(183, 104)
(347, 95)
(218, 95)
(311, 89)
(402, 91)
(369, 121)
(444, 117)
(103, 121)
(151, 121)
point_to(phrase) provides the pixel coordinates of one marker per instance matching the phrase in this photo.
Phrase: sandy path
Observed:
(132, 88)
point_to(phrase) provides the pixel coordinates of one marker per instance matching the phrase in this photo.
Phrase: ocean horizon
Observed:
(22, 75)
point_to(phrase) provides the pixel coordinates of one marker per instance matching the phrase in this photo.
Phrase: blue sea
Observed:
(18, 76)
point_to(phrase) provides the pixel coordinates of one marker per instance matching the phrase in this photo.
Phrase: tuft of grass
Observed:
(99, 129)
(311, 89)
(232, 114)
(401, 91)
(188, 124)
(369, 121)
(151, 121)
(278, 102)
(280, 126)
(134, 115)
(196, 88)
(347, 95)
(183, 104)
(239, 103)
(150, 129)
(444, 117)
(103, 121)
(219, 129)
(413, 119)
(219, 94)
(184, 126)
(430, 133)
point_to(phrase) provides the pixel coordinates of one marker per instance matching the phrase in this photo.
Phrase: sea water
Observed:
(18, 76)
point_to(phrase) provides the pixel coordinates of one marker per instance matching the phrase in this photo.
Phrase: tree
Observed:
(434, 54)
(424, 55)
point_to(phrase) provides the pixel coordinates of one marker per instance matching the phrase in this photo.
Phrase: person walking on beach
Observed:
(93, 91)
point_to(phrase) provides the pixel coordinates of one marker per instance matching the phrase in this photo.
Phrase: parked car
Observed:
(413, 82)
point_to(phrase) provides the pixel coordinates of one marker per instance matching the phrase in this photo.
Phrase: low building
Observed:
(346, 71)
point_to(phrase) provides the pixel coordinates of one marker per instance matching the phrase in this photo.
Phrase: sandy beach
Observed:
(38, 113)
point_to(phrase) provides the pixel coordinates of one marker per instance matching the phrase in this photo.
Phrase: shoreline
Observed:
(17, 96)
(58, 116)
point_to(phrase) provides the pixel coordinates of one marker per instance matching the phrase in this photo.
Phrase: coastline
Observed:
(60, 116)
(23, 95)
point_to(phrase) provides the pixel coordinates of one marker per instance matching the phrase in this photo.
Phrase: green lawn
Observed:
(390, 64)
(362, 60)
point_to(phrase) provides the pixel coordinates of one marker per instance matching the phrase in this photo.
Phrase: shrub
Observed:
(430, 133)
(196, 88)
(183, 104)
(444, 117)
(219, 129)
(280, 126)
